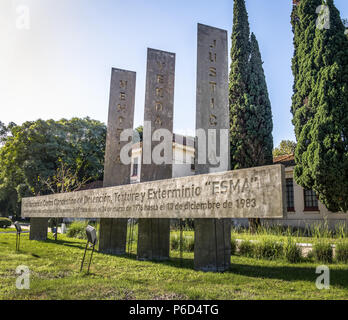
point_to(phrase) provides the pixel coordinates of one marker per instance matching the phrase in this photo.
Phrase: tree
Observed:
(286, 147)
(250, 108)
(4, 131)
(259, 124)
(138, 134)
(37, 148)
(320, 105)
(64, 180)
(238, 86)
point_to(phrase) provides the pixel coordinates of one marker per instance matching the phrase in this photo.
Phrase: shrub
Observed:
(77, 229)
(233, 246)
(292, 252)
(342, 251)
(322, 251)
(175, 242)
(187, 243)
(246, 248)
(268, 249)
(5, 222)
(321, 230)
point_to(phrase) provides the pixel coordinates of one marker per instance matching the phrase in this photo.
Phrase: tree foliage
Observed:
(250, 108)
(286, 147)
(34, 151)
(320, 104)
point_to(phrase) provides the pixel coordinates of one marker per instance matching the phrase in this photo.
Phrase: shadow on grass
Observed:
(288, 273)
(338, 277)
(184, 263)
(67, 243)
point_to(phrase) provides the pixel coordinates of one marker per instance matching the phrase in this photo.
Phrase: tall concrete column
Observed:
(38, 229)
(154, 234)
(212, 250)
(113, 232)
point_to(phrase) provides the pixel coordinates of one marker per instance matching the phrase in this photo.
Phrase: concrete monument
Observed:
(154, 234)
(113, 232)
(246, 193)
(38, 229)
(212, 250)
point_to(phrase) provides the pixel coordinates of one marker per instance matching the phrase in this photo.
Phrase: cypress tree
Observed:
(250, 108)
(238, 86)
(260, 123)
(321, 118)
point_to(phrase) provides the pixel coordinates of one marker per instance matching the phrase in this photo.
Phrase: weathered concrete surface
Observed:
(247, 193)
(212, 250)
(212, 245)
(113, 232)
(38, 229)
(154, 235)
(154, 239)
(113, 236)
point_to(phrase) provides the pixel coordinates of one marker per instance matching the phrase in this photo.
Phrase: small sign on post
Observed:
(92, 239)
(18, 235)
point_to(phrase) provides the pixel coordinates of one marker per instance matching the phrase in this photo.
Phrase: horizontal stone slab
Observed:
(247, 193)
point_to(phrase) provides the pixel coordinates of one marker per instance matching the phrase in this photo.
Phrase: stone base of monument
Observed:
(38, 229)
(153, 239)
(212, 251)
(113, 236)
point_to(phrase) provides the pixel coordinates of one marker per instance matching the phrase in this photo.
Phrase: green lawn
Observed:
(55, 275)
(9, 229)
(248, 236)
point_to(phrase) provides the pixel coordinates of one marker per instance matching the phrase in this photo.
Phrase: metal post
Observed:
(56, 234)
(84, 255)
(90, 259)
(181, 241)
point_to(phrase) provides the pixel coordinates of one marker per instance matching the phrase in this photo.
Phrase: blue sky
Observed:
(60, 67)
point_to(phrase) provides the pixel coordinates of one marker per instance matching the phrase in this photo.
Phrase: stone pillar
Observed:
(38, 229)
(113, 232)
(154, 234)
(212, 250)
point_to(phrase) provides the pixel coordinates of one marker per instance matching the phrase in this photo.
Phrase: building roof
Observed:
(287, 160)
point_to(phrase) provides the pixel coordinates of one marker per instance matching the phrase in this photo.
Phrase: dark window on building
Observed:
(310, 200)
(193, 164)
(290, 194)
(135, 167)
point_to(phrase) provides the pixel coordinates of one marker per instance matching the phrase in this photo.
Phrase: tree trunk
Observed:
(254, 224)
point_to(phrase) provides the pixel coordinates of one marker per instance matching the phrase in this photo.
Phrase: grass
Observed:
(342, 251)
(55, 274)
(322, 251)
(9, 229)
(244, 235)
